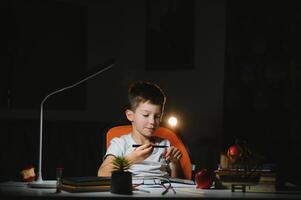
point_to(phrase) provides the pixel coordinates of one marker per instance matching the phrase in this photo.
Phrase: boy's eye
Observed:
(156, 116)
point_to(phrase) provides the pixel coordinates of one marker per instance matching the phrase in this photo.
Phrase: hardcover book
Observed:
(86, 188)
(87, 181)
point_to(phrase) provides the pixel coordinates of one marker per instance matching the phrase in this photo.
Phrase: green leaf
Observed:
(120, 163)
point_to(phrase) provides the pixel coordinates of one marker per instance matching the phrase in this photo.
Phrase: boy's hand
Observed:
(140, 153)
(173, 154)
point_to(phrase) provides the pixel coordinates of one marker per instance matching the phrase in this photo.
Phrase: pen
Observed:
(155, 146)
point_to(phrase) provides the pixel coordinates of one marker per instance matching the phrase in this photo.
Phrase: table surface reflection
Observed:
(13, 189)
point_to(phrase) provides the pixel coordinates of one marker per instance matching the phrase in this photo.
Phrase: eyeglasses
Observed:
(162, 181)
(167, 187)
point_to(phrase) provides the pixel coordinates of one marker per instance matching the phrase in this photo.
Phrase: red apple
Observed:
(233, 150)
(203, 179)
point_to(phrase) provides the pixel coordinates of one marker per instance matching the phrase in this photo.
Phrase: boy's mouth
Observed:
(150, 129)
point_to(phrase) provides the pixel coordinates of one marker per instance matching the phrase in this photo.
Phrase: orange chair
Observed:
(164, 133)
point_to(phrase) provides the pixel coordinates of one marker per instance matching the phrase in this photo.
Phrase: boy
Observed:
(146, 105)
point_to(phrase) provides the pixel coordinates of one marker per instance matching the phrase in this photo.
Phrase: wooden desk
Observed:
(11, 190)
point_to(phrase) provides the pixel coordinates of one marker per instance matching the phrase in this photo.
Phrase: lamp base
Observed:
(43, 184)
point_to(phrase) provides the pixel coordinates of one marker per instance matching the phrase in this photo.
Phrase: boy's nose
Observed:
(152, 120)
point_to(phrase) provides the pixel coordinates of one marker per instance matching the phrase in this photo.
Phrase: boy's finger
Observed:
(169, 151)
(144, 146)
(147, 149)
(176, 154)
(167, 158)
(179, 157)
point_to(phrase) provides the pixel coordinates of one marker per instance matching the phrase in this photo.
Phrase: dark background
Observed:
(230, 70)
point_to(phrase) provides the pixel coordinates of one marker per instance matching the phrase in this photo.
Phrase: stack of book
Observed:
(86, 184)
(262, 180)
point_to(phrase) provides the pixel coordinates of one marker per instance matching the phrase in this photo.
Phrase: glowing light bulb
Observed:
(172, 121)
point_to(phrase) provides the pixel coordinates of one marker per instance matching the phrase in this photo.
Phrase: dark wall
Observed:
(252, 94)
(46, 51)
(262, 80)
(118, 29)
(75, 146)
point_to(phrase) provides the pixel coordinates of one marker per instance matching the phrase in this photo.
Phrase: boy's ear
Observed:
(129, 115)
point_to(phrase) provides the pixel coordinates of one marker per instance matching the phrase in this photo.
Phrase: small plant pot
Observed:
(121, 182)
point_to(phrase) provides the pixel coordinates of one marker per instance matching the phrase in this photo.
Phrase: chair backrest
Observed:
(161, 132)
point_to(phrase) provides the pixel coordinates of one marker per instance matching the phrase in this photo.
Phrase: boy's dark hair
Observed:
(143, 91)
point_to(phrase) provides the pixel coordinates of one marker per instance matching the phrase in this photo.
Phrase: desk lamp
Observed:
(40, 183)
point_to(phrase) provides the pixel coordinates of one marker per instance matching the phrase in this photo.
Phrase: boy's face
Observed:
(145, 118)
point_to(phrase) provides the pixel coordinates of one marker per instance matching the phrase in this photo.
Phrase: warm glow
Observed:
(172, 121)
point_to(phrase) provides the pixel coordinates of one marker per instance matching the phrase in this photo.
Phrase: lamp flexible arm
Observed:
(40, 178)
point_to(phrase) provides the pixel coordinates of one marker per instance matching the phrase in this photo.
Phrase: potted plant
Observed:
(121, 180)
